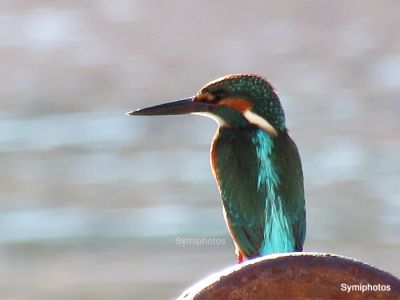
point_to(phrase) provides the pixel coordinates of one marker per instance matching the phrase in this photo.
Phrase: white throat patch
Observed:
(217, 119)
(255, 119)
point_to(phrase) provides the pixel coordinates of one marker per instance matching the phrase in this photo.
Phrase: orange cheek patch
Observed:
(238, 104)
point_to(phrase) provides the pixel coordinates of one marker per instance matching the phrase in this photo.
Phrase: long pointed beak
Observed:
(180, 107)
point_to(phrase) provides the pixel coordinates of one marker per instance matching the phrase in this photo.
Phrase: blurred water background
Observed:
(93, 204)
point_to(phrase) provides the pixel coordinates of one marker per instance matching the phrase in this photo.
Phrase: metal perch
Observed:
(297, 276)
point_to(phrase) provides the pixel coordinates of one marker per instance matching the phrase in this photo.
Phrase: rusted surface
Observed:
(297, 276)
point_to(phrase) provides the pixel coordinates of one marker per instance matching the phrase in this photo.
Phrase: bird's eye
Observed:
(219, 94)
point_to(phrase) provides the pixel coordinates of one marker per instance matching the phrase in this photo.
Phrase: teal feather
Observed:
(261, 187)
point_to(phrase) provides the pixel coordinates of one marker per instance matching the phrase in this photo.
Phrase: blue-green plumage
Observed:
(255, 163)
(264, 207)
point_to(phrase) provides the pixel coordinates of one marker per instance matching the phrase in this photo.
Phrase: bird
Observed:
(255, 163)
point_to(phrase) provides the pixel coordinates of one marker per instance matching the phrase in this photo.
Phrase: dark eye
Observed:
(219, 94)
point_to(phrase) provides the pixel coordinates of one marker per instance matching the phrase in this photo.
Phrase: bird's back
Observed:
(261, 186)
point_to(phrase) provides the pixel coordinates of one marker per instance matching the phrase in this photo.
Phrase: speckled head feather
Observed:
(244, 92)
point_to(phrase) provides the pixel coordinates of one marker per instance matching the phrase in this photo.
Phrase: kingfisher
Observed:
(254, 161)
